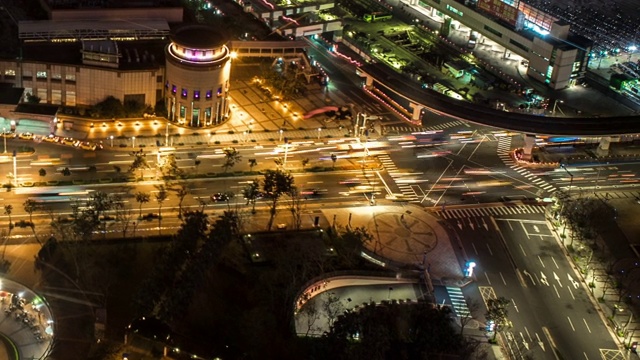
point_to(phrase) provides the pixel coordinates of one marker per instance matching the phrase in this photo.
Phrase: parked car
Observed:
(51, 138)
(9, 134)
(68, 141)
(88, 146)
(26, 136)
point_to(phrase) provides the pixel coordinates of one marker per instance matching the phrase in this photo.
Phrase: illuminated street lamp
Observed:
(468, 268)
(133, 142)
(281, 131)
(111, 138)
(319, 131)
(632, 49)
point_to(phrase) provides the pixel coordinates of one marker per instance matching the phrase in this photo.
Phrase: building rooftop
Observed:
(266, 6)
(135, 55)
(47, 30)
(83, 4)
(199, 37)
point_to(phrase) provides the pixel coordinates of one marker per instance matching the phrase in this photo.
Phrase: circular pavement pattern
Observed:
(399, 234)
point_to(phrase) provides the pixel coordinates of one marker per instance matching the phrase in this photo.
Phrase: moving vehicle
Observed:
(218, 197)
(373, 17)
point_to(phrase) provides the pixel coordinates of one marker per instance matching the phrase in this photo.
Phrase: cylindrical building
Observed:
(198, 66)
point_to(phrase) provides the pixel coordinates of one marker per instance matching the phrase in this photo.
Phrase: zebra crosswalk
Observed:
(490, 211)
(606, 195)
(393, 171)
(458, 302)
(504, 153)
(398, 129)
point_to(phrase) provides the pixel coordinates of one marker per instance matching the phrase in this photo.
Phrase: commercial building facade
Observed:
(556, 57)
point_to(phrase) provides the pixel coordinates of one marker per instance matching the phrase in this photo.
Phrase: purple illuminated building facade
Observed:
(198, 66)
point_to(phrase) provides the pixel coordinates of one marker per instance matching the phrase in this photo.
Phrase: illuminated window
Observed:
(174, 89)
(196, 94)
(166, 85)
(184, 92)
(41, 74)
(70, 77)
(209, 93)
(454, 10)
(9, 72)
(219, 91)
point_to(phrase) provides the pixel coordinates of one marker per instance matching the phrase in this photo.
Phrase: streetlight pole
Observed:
(166, 135)
(555, 105)
(568, 196)
(286, 152)
(281, 132)
(319, 130)
(111, 138)
(133, 142)
(15, 168)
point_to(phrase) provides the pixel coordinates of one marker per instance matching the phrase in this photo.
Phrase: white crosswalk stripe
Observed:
(490, 211)
(618, 194)
(458, 301)
(391, 168)
(504, 153)
(409, 129)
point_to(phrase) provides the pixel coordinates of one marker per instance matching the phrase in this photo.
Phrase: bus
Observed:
(54, 194)
(429, 137)
(52, 190)
(376, 16)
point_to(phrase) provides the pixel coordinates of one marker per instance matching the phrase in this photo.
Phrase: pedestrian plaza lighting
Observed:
(468, 268)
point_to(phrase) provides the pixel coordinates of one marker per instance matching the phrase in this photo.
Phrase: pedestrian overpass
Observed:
(412, 101)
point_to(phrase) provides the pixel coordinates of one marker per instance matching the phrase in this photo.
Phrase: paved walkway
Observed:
(405, 235)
